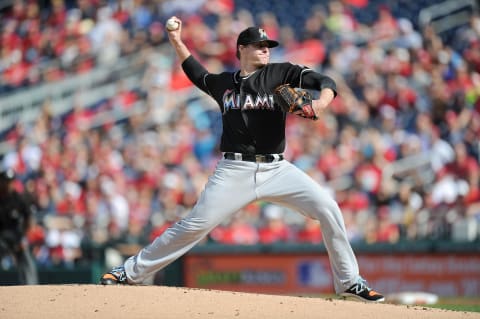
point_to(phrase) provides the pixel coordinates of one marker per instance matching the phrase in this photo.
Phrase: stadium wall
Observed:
(439, 267)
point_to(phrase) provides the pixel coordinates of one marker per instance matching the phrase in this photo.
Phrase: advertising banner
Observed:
(442, 274)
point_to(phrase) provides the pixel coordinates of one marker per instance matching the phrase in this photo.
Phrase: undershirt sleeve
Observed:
(315, 81)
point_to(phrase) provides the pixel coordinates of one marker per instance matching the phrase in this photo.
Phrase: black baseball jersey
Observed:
(252, 122)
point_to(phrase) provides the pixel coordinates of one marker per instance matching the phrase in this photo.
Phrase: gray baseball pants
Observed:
(233, 185)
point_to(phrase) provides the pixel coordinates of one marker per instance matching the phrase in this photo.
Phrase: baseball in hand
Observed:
(172, 24)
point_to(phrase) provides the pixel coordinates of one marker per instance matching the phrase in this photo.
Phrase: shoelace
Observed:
(362, 285)
(120, 273)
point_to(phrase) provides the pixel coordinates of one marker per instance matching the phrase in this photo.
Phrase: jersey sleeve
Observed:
(196, 73)
(317, 81)
(303, 77)
(289, 73)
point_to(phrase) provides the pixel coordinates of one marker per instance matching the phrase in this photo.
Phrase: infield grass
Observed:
(471, 304)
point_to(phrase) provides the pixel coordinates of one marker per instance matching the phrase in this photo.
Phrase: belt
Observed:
(258, 158)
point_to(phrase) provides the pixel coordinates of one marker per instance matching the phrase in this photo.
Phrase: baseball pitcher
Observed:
(254, 102)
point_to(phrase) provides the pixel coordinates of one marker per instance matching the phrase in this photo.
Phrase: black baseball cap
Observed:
(254, 35)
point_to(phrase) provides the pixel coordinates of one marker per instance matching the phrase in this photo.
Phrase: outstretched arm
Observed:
(192, 68)
(175, 37)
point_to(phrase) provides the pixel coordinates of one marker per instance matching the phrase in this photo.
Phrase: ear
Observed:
(238, 51)
(241, 47)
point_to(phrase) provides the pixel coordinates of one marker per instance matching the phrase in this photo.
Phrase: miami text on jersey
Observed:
(231, 100)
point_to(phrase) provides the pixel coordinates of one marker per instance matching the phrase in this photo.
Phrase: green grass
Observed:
(469, 308)
(470, 304)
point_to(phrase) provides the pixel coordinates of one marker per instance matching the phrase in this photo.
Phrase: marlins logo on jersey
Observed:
(231, 101)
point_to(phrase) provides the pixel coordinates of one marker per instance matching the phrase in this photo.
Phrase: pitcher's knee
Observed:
(326, 210)
(196, 225)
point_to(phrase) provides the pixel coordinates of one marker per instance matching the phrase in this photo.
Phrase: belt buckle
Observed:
(260, 158)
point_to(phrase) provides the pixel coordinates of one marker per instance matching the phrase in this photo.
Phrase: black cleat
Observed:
(362, 292)
(116, 276)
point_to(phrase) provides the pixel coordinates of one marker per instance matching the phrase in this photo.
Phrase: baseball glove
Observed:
(298, 102)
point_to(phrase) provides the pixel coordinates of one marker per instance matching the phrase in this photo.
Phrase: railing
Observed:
(418, 166)
(448, 14)
(25, 105)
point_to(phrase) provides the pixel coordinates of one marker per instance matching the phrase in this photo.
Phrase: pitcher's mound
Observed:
(93, 301)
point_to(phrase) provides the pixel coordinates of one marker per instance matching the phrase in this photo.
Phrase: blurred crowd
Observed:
(406, 95)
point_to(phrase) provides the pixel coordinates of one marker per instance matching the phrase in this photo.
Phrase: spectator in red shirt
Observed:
(310, 232)
(238, 232)
(59, 15)
(10, 40)
(368, 175)
(72, 202)
(466, 167)
(17, 74)
(387, 232)
(385, 28)
(275, 228)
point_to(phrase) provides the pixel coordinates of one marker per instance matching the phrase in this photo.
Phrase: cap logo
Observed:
(263, 34)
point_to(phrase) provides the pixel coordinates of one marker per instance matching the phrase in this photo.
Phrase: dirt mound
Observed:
(92, 301)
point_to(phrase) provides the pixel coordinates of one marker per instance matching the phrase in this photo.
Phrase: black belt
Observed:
(257, 158)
